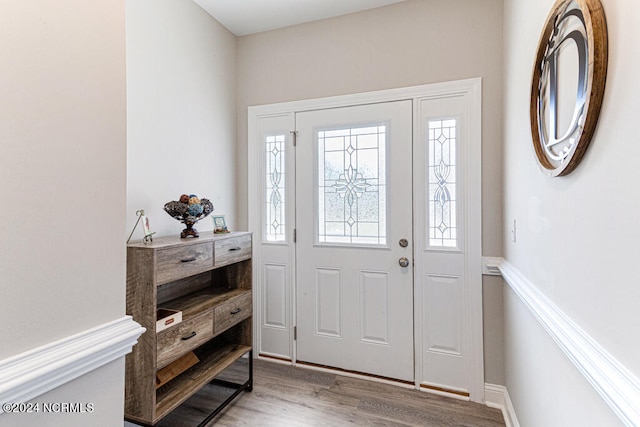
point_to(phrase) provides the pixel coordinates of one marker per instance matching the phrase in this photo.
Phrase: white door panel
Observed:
(273, 255)
(353, 205)
(444, 283)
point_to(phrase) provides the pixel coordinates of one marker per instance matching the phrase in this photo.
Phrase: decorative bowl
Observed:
(189, 209)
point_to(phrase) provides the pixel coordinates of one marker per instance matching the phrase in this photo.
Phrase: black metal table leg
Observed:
(246, 386)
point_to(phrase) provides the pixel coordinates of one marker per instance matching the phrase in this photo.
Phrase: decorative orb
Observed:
(184, 198)
(195, 210)
(194, 200)
(207, 206)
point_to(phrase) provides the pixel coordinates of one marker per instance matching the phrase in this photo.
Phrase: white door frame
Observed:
(471, 89)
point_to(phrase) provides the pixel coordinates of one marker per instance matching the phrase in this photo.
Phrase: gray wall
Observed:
(577, 237)
(410, 43)
(62, 175)
(181, 91)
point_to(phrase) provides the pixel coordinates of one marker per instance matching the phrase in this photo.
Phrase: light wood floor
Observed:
(287, 396)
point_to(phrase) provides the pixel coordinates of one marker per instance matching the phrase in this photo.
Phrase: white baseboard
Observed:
(35, 372)
(509, 412)
(496, 396)
(619, 388)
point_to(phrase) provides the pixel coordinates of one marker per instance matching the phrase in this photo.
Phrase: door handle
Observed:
(404, 262)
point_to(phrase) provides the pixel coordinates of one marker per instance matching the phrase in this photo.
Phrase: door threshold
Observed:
(441, 391)
(278, 359)
(355, 374)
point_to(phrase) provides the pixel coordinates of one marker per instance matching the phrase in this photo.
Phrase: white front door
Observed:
(353, 209)
(367, 171)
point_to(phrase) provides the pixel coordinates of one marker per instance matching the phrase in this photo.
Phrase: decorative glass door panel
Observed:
(351, 193)
(275, 222)
(442, 184)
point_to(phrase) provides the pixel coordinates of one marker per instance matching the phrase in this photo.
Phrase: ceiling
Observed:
(243, 17)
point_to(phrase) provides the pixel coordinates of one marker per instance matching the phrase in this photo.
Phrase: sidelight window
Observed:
(442, 186)
(275, 191)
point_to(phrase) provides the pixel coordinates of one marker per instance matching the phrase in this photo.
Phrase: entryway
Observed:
(366, 218)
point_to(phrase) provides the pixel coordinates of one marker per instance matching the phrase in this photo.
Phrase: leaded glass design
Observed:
(352, 185)
(275, 191)
(442, 186)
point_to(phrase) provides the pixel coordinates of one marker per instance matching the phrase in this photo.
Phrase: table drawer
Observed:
(232, 250)
(232, 312)
(174, 342)
(183, 261)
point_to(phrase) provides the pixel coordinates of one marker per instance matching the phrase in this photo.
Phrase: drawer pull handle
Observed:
(237, 248)
(188, 259)
(236, 311)
(193, 334)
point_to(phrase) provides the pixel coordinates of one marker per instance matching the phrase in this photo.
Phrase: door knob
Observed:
(404, 262)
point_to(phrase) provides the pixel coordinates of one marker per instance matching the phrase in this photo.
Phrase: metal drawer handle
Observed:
(236, 311)
(188, 259)
(193, 334)
(237, 248)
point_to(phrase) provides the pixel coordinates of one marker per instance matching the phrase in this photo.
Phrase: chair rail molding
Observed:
(37, 371)
(618, 386)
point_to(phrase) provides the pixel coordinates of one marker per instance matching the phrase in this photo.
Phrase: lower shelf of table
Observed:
(172, 394)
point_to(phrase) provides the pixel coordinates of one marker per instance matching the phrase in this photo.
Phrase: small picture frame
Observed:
(148, 234)
(219, 224)
(145, 225)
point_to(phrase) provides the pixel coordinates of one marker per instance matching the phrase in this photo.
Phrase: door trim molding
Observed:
(470, 88)
(388, 95)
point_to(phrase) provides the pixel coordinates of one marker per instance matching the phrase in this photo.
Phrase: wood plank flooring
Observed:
(287, 396)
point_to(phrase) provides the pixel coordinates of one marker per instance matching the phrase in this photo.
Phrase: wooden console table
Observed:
(208, 281)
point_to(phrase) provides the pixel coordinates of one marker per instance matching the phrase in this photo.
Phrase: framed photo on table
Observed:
(219, 224)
